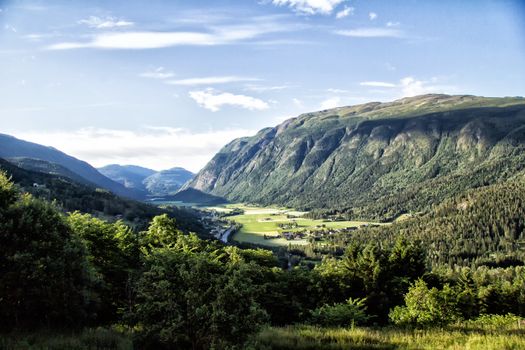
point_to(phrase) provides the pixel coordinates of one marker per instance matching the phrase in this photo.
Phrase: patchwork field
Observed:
(260, 221)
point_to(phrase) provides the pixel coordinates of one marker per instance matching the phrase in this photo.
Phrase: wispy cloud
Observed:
(347, 11)
(372, 32)
(218, 35)
(310, 7)
(158, 73)
(154, 147)
(261, 88)
(105, 23)
(377, 84)
(410, 86)
(210, 80)
(372, 16)
(214, 101)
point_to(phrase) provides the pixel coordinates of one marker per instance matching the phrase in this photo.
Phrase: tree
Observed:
(45, 277)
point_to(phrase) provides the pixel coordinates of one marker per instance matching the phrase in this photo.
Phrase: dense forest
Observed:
(161, 288)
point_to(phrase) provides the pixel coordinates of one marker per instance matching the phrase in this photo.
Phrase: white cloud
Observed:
(392, 24)
(10, 28)
(372, 16)
(331, 102)
(310, 7)
(105, 23)
(410, 86)
(297, 102)
(377, 84)
(213, 101)
(158, 73)
(154, 147)
(374, 32)
(210, 80)
(347, 11)
(338, 91)
(260, 88)
(154, 40)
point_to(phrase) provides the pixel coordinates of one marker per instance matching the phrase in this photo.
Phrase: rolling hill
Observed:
(375, 160)
(11, 147)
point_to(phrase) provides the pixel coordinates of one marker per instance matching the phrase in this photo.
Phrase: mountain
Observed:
(131, 176)
(375, 160)
(11, 147)
(191, 195)
(42, 166)
(167, 182)
(151, 182)
(72, 196)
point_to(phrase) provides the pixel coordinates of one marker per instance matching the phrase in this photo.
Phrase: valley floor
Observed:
(280, 227)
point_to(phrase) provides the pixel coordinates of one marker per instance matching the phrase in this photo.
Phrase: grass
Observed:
(259, 221)
(88, 339)
(462, 336)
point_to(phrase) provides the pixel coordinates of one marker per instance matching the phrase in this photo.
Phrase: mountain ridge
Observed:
(12, 147)
(373, 159)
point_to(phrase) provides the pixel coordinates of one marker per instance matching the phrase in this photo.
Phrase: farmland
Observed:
(263, 225)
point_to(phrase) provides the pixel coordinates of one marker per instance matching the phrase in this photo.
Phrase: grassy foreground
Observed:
(88, 339)
(464, 336)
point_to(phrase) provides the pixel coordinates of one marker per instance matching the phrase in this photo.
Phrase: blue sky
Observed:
(167, 83)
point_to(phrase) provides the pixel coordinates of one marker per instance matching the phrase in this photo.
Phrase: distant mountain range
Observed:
(375, 160)
(129, 181)
(73, 195)
(163, 183)
(11, 147)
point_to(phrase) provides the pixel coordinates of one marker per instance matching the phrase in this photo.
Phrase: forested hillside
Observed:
(11, 147)
(72, 196)
(376, 160)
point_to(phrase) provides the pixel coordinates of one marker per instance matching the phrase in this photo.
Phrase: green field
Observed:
(259, 221)
(466, 335)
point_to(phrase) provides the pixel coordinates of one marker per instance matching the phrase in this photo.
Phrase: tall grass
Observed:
(89, 339)
(486, 333)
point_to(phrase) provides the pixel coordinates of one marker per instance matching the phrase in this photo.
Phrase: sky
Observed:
(168, 83)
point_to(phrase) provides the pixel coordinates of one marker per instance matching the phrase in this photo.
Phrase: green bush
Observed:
(353, 312)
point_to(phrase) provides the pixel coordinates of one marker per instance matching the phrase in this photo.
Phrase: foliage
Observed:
(426, 306)
(353, 312)
(45, 277)
(189, 297)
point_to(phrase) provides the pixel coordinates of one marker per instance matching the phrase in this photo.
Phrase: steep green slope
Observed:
(376, 160)
(72, 196)
(11, 147)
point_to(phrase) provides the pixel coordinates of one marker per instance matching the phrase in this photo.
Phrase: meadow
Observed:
(260, 221)
(485, 333)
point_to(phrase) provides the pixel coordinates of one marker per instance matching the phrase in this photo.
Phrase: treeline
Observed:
(174, 290)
